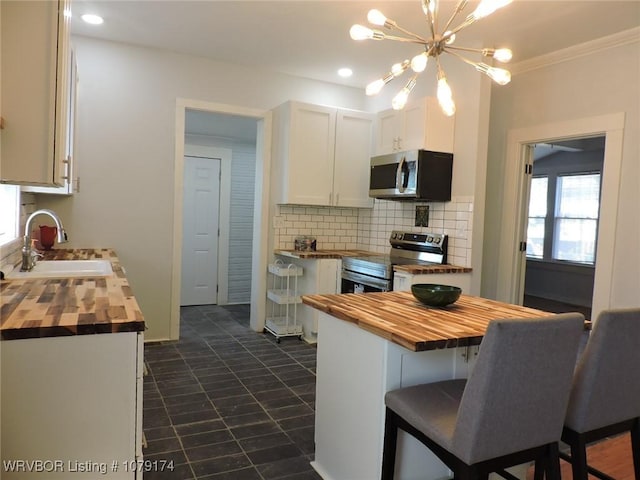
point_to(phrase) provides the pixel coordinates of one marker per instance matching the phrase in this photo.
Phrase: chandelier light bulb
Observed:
(487, 7)
(398, 69)
(376, 17)
(360, 32)
(400, 100)
(428, 6)
(450, 37)
(419, 62)
(503, 55)
(374, 87)
(499, 75)
(445, 96)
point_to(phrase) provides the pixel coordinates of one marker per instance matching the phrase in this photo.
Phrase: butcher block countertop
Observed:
(422, 269)
(400, 318)
(412, 269)
(321, 254)
(52, 307)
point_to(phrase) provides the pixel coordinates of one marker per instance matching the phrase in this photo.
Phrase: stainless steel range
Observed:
(375, 273)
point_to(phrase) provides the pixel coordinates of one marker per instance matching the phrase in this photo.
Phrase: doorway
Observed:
(231, 139)
(561, 230)
(257, 253)
(511, 261)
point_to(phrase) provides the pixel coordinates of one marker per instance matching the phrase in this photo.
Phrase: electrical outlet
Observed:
(422, 215)
(278, 222)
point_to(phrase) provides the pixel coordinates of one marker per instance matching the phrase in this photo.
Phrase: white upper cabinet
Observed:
(420, 125)
(321, 155)
(35, 79)
(70, 177)
(352, 159)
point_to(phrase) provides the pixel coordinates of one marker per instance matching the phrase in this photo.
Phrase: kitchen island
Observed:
(371, 343)
(71, 354)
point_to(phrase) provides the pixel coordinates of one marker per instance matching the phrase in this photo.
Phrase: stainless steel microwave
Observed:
(412, 175)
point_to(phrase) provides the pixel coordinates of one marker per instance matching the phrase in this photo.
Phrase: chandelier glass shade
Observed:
(433, 45)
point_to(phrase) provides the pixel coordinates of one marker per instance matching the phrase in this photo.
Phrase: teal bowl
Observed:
(435, 295)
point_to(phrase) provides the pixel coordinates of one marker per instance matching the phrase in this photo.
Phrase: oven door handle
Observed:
(380, 283)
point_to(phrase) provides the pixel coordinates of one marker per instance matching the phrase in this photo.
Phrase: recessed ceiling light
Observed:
(92, 19)
(345, 72)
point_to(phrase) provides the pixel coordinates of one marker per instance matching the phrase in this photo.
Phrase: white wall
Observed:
(125, 150)
(603, 82)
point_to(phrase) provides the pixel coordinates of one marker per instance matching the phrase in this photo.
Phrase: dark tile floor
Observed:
(225, 402)
(554, 306)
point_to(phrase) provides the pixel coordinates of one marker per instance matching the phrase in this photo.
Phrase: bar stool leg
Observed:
(635, 447)
(553, 462)
(539, 469)
(389, 448)
(579, 458)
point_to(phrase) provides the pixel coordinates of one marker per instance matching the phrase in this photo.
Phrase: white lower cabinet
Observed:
(72, 407)
(402, 281)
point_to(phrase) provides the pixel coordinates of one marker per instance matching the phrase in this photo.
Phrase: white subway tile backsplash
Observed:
(369, 229)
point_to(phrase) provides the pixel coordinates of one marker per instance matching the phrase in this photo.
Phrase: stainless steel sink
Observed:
(64, 269)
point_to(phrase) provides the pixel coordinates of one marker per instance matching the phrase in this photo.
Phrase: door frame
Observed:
(511, 262)
(224, 214)
(260, 252)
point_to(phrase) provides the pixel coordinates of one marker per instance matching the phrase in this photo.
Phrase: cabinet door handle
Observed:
(67, 162)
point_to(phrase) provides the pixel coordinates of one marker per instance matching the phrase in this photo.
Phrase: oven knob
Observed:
(429, 239)
(399, 236)
(394, 235)
(437, 240)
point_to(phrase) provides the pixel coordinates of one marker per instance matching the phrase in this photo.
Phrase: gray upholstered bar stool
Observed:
(605, 397)
(511, 409)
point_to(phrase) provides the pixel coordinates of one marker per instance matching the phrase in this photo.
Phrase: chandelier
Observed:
(433, 47)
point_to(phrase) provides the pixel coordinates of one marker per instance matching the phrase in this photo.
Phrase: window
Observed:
(537, 217)
(9, 213)
(576, 217)
(563, 217)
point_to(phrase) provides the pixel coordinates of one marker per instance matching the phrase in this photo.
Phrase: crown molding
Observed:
(576, 51)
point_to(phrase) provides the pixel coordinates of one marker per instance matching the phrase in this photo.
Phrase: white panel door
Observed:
(201, 211)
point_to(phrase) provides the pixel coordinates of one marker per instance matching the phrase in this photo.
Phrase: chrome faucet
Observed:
(28, 255)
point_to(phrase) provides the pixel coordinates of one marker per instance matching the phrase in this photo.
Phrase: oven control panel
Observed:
(417, 239)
